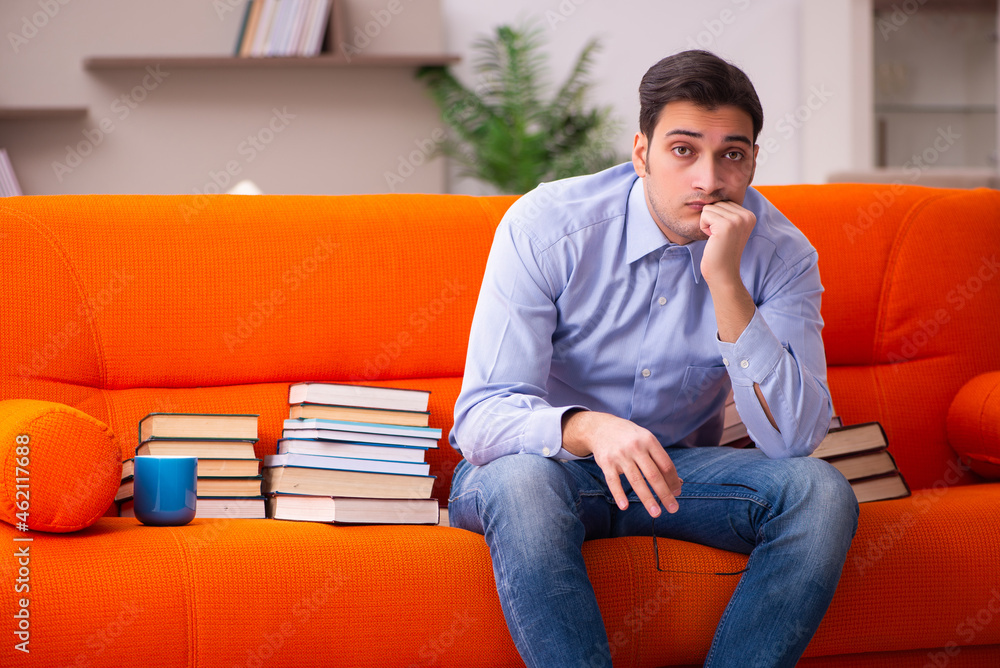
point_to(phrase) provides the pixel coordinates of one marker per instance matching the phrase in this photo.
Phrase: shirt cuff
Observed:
(754, 355)
(542, 433)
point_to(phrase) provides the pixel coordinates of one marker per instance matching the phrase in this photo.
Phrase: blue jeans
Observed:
(796, 521)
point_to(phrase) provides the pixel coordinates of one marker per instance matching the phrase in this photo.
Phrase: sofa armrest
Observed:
(974, 424)
(60, 466)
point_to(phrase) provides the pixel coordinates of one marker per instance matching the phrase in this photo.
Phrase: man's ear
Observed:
(753, 170)
(639, 152)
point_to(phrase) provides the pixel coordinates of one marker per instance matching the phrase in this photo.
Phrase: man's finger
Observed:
(635, 476)
(658, 481)
(615, 487)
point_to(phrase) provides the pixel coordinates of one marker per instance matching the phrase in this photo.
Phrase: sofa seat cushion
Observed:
(60, 466)
(245, 592)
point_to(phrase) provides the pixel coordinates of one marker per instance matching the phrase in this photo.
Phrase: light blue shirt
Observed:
(585, 303)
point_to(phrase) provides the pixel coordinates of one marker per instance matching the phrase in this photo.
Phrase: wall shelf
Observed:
(41, 113)
(133, 62)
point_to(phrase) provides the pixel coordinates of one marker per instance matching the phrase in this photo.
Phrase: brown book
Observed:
(248, 507)
(864, 464)
(360, 414)
(331, 482)
(850, 439)
(207, 486)
(197, 425)
(202, 449)
(879, 488)
(353, 510)
(210, 467)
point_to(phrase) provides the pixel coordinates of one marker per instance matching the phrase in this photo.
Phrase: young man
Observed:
(616, 312)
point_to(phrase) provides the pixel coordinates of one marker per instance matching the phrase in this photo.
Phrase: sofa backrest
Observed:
(123, 305)
(911, 305)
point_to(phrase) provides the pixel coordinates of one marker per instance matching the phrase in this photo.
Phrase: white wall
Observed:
(762, 37)
(352, 127)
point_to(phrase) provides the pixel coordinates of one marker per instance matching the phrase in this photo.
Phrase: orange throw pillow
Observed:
(974, 424)
(60, 467)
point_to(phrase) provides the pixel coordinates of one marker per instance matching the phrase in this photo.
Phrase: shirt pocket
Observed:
(702, 393)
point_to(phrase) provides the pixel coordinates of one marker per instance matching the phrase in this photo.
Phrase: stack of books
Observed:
(229, 481)
(859, 451)
(283, 28)
(355, 454)
(9, 187)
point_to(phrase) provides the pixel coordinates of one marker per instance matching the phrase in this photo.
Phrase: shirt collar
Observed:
(643, 235)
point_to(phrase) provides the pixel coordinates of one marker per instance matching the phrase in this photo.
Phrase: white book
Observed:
(297, 27)
(392, 453)
(347, 464)
(358, 437)
(267, 12)
(365, 427)
(317, 28)
(364, 396)
(9, 187)
(353, 510)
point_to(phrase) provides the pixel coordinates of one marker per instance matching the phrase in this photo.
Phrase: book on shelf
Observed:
(9, 187)
(331, 482)
(352, 510)
(392, 453)
(347, 464)
(431, 433)
(363, 396)
(359, 437)
(283, 28)
(201, 448)
(198, 425)
(244, 507)
(360, 414)
(207, 486)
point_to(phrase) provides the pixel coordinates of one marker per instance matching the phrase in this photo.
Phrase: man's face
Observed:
(695, 157)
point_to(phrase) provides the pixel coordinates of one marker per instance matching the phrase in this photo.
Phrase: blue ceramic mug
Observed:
(165, 490)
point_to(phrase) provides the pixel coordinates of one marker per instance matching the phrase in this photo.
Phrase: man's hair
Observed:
(700, 77)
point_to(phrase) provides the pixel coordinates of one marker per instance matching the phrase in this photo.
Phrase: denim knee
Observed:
(824, 495)
(533, 495)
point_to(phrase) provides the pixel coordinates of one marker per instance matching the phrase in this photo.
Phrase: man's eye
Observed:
(682, 150)
(735, 155)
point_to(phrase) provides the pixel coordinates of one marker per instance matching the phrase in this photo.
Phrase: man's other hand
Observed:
(621, 447)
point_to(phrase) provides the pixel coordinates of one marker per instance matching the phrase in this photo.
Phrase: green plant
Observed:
(504, 133)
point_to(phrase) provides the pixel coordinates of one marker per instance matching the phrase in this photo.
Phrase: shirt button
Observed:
(725, 361)
(645, 373)
(663, 300)
(744, 364)
(546, 451)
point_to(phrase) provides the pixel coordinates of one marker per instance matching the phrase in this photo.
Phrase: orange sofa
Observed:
(117, 306)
